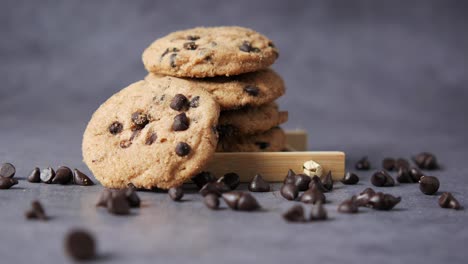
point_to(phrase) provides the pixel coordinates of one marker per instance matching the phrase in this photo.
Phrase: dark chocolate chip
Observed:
(232, 180)
(401, 162)
(316, 183)
(415, 174)
(80, 245)
(363, 198)
(115, 128)
(294, 214)
(203, 178)
(247, 203)
(290, 177)
(36, 212)
(47, 175)
(271, 44)
(388, 164)
(404, 176)
(195, 102)
(232, 199)
(381, 201)
(302, 182)
(190, 45)
(262, 144)
(35, 175)
(350, 178)
(140, 120)
(182, 149)
(289, 191)
(426, 161)
(211, 201)
(79, 178)
(132, 197)
(151, 139)
(216, 188)
(446, 200)
(318, 212)
(179, 102)
(313, 195)
(63, 175)
(327, 182)
(118, 204)
(172, 60)
(429, 185)
(193, 37)
(252, 90)
(176, 193)
(382, 179)
(167, 52)
(103, 197)
(247, 47)
(181, 122)
(362, 164)
(7, 170)
(258, 184)
(348, 206)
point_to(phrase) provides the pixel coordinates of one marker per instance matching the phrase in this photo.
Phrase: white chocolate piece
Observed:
(312, 168)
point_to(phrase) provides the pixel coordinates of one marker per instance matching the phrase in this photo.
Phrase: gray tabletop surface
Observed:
(375, 78)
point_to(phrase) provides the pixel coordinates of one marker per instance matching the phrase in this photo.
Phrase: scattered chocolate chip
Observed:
(381, 201)
(429, 185)
(115, 128)
(151, 139)
(262, 145)
(35, 175)
(415, 174)
(80, 245)
(181, 122)
(176, 193)
(313, 195)
(446, 200)
(7, 170)
(140, 120)
(302, 182)
(247, 203)
(258, 184)
(289, 191)
(36, 211)
(404, 176)
(182, 149)
(316, 183)
(216, 188)
(247, 47)
(63, 175)
(132, 197)
(232, 199)
(211, 201)
(294, 214)
(290, 177)
(401, 162)
(195, 102)
(363, 198)
(232, 180)
(105, 195)
(47, 175)
(350, 178)
(172, 60)
(118, 204)
(203, 178)
(125, 143)
(318, 212)
(388, 164)
(190, 45)
(426, 161)
(193, 37)
(79, 178)
(327, 182)
(362, 164)
(348, 206)
(179, 102)
(251, 90)
(382, 179)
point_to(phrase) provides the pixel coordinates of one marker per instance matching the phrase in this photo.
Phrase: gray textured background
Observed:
(377, 78)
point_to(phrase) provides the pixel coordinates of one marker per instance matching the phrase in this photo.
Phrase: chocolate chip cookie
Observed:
(249, 89)
(272, 140)
(250, 120)
(210, 51)
(154, 134)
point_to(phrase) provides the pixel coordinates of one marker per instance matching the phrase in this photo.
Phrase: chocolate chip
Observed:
(415, 174)
(251, 90)
(182, 149)
(140, 120)
(247, 203)
(125, 143)
(290, 177)
(203, 178)
(302, 182)
(289, 191)
(63, 175)
(327, 182)
(7, 170)
(446, 200)
(151, 139)
(429, 185)
(294, 214)
(262, 145)
(318, 212)
(313, 195)
(115, 128)
(36, 211)
(362, 164)
(172, 60)
(404, 176)
(35, 175)
(179, 102)
(258, 184)
(388, 164)
(167, 51)
(193, 37)
(132, 197)
(211, 201)
(232, 180)
(316, 183)
(176, 193)
(195, 102)
(247, 47)
(232, 199)
(181, 122)
(350, 178)
(80, 245)
(426, 161)
(118, 204)
(79, 178)
(381, 201)
(216, 188)
(348, 206)
(47, 175)
(363, 198)
(190, 45)
(103, 197)
(382, 179)
(401, 163)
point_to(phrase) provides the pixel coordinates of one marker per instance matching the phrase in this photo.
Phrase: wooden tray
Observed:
(274, 165)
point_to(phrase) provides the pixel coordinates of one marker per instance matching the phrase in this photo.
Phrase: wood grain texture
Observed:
(274, 165)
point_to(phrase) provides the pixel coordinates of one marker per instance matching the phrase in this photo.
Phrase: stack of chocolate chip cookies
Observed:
(232, 64)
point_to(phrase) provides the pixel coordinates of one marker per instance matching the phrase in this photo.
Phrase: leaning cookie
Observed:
(151, 135)
(250, 89)
(250, 120)
(272, 140)
(210, 51)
